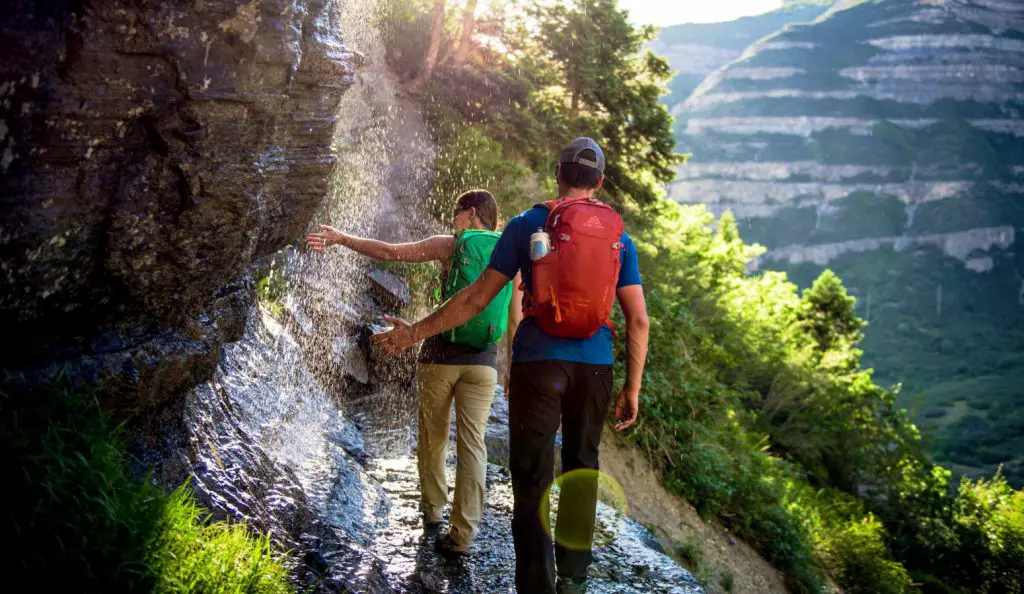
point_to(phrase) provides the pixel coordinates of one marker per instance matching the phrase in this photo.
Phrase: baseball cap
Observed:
(573, 153)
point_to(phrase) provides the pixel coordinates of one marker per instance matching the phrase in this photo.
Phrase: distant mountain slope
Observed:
(696, 50)
(886, 141)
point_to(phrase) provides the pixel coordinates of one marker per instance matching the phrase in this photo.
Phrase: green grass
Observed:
(188, 553)
(72, 509)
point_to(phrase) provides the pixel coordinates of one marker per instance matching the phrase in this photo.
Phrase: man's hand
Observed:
(328, 236)
(627, 406)
(397, 339)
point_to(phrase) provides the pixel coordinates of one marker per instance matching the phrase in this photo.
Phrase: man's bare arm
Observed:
(634, 308)
(458, 310)
(438, 247)
(515, 316)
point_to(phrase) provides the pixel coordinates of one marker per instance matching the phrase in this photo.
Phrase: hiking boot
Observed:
(446, 547)
(431, 525)
(565, 585)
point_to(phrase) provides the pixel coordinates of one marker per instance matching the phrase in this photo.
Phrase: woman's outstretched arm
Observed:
(438, 247)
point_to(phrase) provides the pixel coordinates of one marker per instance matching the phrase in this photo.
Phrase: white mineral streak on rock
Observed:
(905, 93)
(731, 192)
(980, 264)
(778, 171)
(1015, 127)
(957, 245)
(988, 73)
(1008, 188)
(997, 16)
(1010, 6)
(768, 46)
(971, 42)
(797, 126)
(714, 78)
(929, 16)
(695, 59)
(762, 73)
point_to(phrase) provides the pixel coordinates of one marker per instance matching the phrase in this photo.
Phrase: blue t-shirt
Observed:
(511, 255)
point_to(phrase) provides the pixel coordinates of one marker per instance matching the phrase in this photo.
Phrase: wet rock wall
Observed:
(150, 152)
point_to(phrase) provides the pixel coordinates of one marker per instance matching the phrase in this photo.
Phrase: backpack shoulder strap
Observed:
(460, 238)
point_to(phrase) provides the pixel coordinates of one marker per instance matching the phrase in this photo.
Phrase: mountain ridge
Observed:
(885, 140)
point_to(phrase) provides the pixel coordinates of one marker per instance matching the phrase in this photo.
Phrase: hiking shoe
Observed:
(446, 547)
(564, 585)
(430, 525)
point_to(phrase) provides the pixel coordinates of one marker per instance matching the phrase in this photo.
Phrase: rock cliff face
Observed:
(886, 141)
(917, 104)
(695, 50)
(150, 152)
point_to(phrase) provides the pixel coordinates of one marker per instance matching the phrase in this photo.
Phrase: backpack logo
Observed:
(594, 222)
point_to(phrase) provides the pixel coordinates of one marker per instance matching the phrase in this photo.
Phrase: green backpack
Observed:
(473, 249)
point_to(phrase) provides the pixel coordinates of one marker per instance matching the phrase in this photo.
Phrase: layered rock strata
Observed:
(913, 103)
(695, 51)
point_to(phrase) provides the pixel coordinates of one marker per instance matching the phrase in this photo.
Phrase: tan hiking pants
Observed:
(472, 388)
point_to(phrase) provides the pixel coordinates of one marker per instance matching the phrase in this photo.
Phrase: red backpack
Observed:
(574, 285)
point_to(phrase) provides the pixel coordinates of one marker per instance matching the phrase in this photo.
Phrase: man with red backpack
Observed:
(575, 261)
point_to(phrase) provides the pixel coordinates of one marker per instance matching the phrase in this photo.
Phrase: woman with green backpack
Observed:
(459, 365)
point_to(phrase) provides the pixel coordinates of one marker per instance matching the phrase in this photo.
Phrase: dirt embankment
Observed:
(722, 562)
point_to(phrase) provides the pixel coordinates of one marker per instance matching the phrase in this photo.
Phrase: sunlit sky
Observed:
(672, 12)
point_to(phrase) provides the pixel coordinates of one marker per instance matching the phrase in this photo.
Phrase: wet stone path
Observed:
(627, 560)
(333, 477)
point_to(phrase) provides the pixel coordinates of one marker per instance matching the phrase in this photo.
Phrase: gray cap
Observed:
(571, 153)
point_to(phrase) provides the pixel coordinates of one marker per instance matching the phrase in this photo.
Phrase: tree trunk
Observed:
(430, 61)
(574, 105)
(468, 23)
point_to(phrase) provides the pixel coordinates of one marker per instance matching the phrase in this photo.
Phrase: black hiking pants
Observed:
(542, 394)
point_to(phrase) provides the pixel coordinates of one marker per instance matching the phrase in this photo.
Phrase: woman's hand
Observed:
(327, 236)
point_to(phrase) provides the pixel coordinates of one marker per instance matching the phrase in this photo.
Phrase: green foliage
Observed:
(851, 543)
(613, 89)
(470, 159)
(270, 290)
(75, 512)
(789, 225)
(72, 507)
(952, 338)
(827, 312)
(861, 215)
(755, 405)
(188, 553)
(727, 581)
(989, 532)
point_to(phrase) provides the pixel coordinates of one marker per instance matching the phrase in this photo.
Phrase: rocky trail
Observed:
(334, 479)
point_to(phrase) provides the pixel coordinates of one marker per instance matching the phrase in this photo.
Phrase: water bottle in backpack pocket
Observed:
(540, 245)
